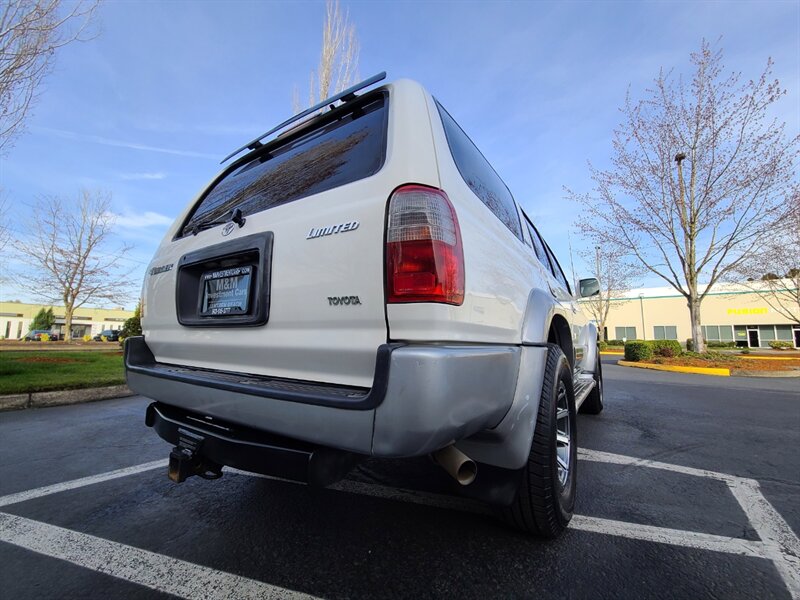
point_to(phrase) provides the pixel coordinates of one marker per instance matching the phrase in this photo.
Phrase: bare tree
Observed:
(338, 61)
(31, 31)
(698, 173)
(616, 274)
(5, 233)
(69, 251)
(774, 272)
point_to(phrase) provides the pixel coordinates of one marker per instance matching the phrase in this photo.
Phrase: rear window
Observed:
(479, 174)
(347, 145)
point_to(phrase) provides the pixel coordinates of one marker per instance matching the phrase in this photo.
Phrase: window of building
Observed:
(717, 333)
(784, 333)
(479, 174)
(766, 334)
(665, 332)
(628, 333)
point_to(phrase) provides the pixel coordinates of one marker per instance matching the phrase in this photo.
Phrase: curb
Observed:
(42, 399)
(744, 373)
(607, 353)
(748, 357)
(696, 370)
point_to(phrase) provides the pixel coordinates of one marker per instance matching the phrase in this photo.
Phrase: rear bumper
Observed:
(423, 398)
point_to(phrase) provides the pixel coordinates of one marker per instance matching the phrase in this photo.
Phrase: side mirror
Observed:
(589, 287)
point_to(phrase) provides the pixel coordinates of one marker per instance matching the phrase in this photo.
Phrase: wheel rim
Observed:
(563, 435)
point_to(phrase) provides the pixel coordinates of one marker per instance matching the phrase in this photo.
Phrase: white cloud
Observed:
(140, 221)
(142, 176)
(96, 139)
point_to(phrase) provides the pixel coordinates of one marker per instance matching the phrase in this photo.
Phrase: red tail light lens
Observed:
(424, 256)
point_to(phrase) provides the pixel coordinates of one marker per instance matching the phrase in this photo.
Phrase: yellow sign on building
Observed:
(748, 311)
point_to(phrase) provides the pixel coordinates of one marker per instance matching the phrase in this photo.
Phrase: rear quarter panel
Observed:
(498, 270)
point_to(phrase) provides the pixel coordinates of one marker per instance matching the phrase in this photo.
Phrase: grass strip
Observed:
(32, 371)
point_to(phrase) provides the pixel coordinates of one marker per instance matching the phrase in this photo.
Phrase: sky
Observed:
(148, 108)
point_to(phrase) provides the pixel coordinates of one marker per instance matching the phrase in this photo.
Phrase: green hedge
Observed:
(781, 345)
(721, 344)
(666, 348)
(638, 350)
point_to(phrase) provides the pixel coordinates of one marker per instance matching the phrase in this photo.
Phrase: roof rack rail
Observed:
(344, 96)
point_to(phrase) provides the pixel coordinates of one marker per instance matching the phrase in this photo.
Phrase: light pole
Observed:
(602, 324)
(641, 308)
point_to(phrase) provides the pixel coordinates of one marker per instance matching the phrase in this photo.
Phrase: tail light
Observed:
(424, 256)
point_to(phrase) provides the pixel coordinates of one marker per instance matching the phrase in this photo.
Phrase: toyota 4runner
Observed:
(364, 284)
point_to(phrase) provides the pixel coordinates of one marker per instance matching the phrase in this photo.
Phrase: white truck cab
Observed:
(364, 284)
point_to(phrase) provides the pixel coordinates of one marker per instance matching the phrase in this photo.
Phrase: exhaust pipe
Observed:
(457, 464)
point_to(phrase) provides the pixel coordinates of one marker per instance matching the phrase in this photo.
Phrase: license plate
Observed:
(226, 292)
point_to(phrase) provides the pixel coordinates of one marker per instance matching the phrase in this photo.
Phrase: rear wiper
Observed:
(235, 217)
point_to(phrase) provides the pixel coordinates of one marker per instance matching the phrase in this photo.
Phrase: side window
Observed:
(538, 246)
(479, 174)
(557, 271)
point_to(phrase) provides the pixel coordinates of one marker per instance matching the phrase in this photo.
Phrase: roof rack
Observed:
(344, 96)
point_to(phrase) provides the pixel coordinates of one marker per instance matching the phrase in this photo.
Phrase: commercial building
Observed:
(16, 317)
(729, 313)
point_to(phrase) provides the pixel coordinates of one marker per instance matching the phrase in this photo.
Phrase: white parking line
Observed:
(79, 483)
(632, 461)
(778, 544)
(155, 571)
(634, 531)
(782, 545)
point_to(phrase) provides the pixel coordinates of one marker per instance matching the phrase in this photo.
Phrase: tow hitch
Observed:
(186, 459)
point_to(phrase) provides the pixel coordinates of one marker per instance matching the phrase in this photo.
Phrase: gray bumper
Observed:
(425, 397)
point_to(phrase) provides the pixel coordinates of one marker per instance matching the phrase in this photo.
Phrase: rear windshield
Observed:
(347, 145)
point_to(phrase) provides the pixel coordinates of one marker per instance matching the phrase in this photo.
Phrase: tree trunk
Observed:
(67, 323)
(694, 318)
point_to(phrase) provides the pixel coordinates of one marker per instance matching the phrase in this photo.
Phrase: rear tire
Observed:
(546, 497)
(593, 405)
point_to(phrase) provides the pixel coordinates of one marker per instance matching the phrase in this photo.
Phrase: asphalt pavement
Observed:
(688, 487)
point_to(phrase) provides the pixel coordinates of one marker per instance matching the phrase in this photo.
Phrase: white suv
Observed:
(364, 284)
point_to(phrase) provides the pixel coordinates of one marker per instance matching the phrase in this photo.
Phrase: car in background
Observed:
(109, 334)
(35, 335)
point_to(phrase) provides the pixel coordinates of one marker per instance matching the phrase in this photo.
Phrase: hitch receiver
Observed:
(186, 459)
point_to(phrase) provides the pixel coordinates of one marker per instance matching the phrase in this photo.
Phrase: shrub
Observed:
(133, 326)
(721, 344)
(87, 338)
(602, 346)
(616, 343)
(781, 345)
(666, 348)
(637, 350)
(746, 351)
(45, 337)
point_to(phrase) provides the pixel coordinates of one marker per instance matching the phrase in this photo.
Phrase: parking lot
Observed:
(689, 487)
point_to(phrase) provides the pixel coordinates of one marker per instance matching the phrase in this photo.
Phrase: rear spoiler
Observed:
(344, 96)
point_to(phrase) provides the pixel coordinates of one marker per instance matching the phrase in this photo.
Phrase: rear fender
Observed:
(509, 443)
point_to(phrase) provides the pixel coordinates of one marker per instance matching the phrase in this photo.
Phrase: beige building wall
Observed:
(15, 319)
(731, 314)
